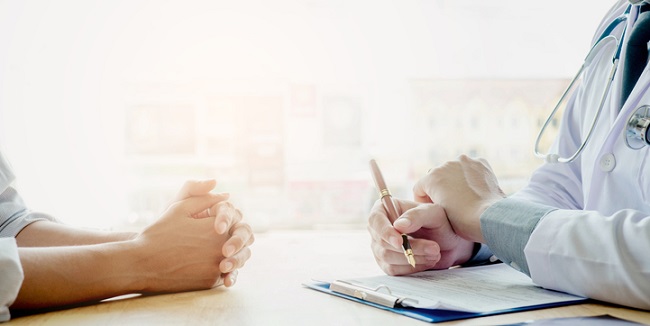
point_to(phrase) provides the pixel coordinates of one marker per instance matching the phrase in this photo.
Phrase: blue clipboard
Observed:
(434, 315)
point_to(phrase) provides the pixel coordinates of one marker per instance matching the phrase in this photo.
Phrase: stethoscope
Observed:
(636, 133)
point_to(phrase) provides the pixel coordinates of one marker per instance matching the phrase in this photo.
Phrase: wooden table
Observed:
(269, 291)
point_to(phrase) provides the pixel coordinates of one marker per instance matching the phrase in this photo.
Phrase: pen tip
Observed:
(411, 261)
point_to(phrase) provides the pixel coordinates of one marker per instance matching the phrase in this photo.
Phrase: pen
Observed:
(387, 200)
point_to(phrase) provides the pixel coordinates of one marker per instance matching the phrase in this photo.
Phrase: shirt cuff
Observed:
(14, 216)
(481, 255)
(506, 227)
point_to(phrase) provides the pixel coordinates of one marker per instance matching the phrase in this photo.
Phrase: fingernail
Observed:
(233, 278)
(402, 222)
(227, 266)
(229, 251)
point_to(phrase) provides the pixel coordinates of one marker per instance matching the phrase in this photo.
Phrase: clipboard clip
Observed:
(380, 295)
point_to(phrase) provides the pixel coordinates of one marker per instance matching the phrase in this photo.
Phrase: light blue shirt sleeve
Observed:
(506, 227)
(12, 275)
(14, 216)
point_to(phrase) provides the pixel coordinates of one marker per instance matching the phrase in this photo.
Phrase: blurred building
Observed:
(298, 158)
(494, 119)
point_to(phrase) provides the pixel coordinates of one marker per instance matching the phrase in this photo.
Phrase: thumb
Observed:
(430, 216)
(420, 193)
(193, 188)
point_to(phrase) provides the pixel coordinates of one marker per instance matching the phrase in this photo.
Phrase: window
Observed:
(107, 107)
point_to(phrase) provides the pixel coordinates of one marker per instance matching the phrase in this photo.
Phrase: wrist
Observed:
(128, 256)
(467, 250)
(471, 227)
(481, 208)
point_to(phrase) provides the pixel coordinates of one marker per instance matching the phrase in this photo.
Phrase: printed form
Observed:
(471, 289)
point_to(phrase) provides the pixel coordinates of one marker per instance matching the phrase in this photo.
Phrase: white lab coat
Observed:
(598, 243)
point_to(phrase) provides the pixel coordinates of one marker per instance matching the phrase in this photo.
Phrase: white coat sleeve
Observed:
(12, 275)
(574, 251)
(592, 255)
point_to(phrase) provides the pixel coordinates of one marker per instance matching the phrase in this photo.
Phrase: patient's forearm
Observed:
(58, 276)
(47, 234)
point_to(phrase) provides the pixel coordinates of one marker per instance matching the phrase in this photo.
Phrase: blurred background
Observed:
(107, 107)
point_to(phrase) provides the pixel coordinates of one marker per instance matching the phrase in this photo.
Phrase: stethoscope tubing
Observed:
(606, 35)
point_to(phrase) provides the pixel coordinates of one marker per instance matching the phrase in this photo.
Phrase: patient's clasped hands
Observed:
(199, 242)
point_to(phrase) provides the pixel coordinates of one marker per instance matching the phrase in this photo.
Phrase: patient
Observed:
(199, 242)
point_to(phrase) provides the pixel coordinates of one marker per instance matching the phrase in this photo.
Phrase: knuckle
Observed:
(383, 253)
(377, 220)
(238, 214)
(371, 231)
(376, 251)
(386, 229)
(237, 241)
(238, 260)
(244, 227)
(222, 205)
(390, 269)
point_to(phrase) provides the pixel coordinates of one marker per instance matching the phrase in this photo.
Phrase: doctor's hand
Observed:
(227, 222)
(465, 188)
(432, 239)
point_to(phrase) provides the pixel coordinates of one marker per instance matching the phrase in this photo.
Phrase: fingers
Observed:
(193, 188)
(211, 210)
(394, 262)
(236, 252)
(387, 242)
(242, 236)
(380, 227)
(193, 206)
(229, 279)
(428, 249)
(430, 216)
(227, 216)
(236, 261)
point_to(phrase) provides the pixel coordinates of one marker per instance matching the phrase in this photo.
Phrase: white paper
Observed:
(472, 289)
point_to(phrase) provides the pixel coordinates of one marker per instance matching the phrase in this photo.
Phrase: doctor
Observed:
(582, 224)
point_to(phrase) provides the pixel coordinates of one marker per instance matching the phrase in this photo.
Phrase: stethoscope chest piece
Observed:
(636, 133)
